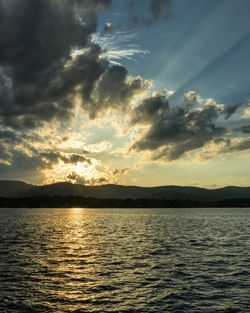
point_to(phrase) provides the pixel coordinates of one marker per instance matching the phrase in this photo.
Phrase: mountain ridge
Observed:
(17, 189)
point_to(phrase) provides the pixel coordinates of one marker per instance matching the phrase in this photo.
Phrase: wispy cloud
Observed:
(117, 46)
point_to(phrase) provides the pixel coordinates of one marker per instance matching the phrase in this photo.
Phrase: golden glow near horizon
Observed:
(104, 147)
(103, 155)
(70, 172)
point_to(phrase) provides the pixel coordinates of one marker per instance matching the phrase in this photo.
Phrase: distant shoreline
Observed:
(81, 202)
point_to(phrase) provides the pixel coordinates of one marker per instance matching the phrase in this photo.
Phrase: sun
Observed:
(79, 172)
(81, 169)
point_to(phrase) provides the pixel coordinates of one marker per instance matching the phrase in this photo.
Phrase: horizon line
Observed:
(121, 185)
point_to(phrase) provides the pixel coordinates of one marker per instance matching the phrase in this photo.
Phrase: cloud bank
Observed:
(171, 132)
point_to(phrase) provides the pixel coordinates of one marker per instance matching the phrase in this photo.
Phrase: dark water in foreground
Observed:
(107, 260)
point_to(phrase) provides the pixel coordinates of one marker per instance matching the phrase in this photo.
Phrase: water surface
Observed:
(124, 260)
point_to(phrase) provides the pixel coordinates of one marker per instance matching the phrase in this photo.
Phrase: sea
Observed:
(125, 260)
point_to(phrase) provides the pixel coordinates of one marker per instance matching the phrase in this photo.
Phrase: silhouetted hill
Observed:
(21, 189)
(11, 188)
(230, 192)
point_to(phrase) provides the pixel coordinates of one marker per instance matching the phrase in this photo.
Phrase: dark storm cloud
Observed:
(231, 109)
(54, 157)
(17, 163)
(115, 89)
(173, 131)
(245, 129)
(36, 41)
(75, 158)
(39, 75)
(150, 109)
(158, 10)
(7, 135)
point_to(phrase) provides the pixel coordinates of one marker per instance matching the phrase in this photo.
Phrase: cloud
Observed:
(108, 27)
(245, 129)
(247, 111)
(18, 164)
(38, 76)
(173, 131)
(98, 181)
(52, 158)
(7, 135)
(120, 171)
(234, 145)
(149, 110)
(30, 155)
(229, 110)
(117, 45)
(49, 61)
(116, 89)
(221, 146)
(74, 158)
(76, 178)
(5, 156)
(80, 179)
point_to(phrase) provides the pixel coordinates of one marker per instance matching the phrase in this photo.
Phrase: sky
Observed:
(133, 92)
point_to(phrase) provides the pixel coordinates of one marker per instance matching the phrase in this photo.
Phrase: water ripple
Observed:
(103, 260)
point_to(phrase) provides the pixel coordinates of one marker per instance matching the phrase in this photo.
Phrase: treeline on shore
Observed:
(73, 201)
